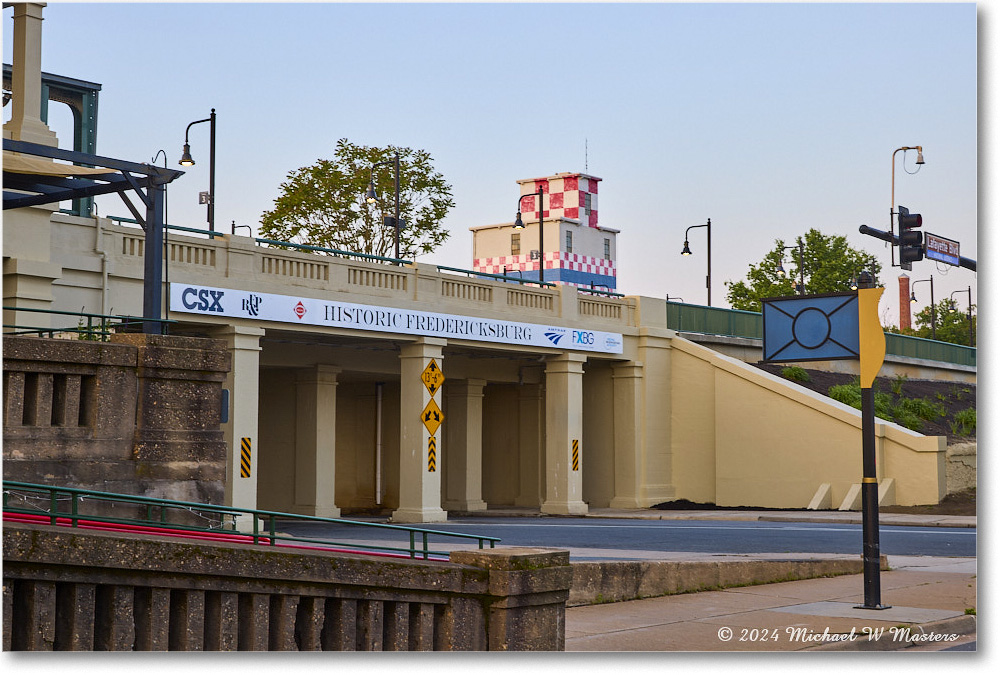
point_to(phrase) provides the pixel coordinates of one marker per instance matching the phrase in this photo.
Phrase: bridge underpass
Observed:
(332, 415)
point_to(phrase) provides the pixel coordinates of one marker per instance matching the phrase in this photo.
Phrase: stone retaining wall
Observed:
(66, 589)
(960, 469)
(139, 415)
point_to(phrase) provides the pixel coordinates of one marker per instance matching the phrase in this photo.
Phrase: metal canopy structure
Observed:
(29, 180)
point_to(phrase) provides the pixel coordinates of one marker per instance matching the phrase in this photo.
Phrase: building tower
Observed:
(578, 251)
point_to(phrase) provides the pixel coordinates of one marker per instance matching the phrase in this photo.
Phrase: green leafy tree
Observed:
(828, 266)
(324, 204)
(952, 323)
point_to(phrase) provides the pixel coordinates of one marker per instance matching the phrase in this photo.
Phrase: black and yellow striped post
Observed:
(576, 454)
(431, 454)
(872, 353)
(245, 450)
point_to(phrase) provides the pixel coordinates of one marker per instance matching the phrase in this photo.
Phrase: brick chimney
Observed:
(904, 301)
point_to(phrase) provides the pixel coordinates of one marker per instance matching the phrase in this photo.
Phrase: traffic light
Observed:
(911, 240)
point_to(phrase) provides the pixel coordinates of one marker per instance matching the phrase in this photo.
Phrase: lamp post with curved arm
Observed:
(372, 196)
(687, 251)
(972, 336)
(913, 300)
(519, 225)
(892, 206)
(187, 160)
(781, 267)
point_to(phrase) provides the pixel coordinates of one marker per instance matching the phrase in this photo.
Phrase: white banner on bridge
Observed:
(210, 301)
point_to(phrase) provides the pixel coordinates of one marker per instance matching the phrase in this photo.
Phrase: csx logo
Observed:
(204, 300)
(583, 337)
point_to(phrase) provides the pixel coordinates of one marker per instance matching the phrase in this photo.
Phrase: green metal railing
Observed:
(714, 320)
(281, 244)
(95, 327)
(738, 323)
(67, 506)
(501, 277)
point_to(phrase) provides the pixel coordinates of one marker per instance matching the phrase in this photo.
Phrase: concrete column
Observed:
(464, 434)
(316, 441)
(628, 435)
(531, 440)
(26, 78)
(563, 431)
(419, 485)
(243, 383)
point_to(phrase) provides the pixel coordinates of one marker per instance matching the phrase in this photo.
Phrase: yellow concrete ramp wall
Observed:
(744, 437)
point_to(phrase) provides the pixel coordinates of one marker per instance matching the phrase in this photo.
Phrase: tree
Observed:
(828, 265)
(952, 323)
(324, 204)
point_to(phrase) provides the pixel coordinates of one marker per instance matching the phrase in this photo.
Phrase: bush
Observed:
(964, 422)
(795, 374)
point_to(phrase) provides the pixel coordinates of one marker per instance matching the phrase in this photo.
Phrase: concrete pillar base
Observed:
(465, 505)
(565, 508)
(625, 503)
(410, 515)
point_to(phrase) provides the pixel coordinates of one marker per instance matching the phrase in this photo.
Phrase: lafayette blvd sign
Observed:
(212, 301)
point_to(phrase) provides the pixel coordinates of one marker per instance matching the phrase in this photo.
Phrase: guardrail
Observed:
(67, 507)
(106, 324)
(739, 323)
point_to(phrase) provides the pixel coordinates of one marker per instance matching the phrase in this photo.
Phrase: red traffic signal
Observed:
(907, 220)
(911, 242)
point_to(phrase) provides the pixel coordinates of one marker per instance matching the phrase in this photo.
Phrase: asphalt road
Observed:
(685, 536)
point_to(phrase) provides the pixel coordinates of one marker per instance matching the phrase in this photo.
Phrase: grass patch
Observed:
(908, 412)
(795, 374)
(964, 422)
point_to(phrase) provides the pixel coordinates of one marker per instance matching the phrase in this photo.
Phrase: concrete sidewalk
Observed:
(928, 598)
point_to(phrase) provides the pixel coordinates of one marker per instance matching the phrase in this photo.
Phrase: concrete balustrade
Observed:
(72, 590)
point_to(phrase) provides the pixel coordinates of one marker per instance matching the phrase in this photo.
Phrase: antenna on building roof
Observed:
(585, 153)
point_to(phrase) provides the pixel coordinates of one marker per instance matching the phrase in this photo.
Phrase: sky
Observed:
(769, 119)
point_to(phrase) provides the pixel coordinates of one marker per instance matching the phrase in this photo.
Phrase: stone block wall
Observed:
(67, 589)
(139, 415)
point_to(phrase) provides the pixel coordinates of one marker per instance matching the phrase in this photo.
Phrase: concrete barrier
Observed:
(615, 581)
(64, 589)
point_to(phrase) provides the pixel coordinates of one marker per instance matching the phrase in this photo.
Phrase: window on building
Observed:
(569, 241)
(607, 249)
(515, 243)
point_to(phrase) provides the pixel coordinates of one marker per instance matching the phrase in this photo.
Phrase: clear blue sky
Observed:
(768, 119)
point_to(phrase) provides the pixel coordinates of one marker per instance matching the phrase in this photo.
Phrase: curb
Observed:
(895, 641)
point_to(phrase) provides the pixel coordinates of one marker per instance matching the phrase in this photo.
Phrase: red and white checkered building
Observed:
(578, 251)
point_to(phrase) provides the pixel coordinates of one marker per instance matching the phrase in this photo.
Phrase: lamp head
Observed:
(371, 196)
(518, 223)
(186, 158)
(781, 271)
(854, 284)
(920, 155)
(913, 298)
(686, 251)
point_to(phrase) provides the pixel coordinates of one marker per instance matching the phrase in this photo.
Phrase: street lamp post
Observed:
(913, 300)
(187, 160)
(687, 251)
(892, 206)
(372, 196)
(781, 267)
(972, 337)
(519, 225)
